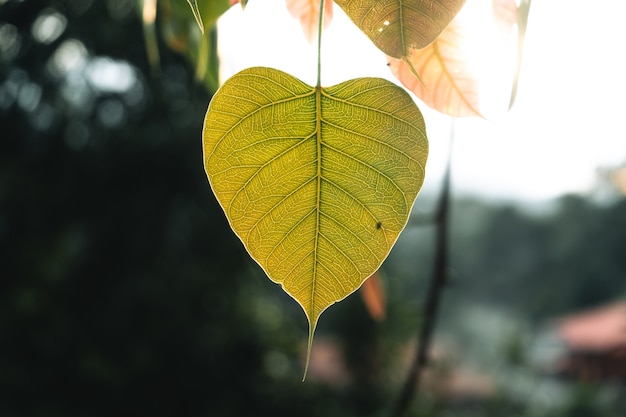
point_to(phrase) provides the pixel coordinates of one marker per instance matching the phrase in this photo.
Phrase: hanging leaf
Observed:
(397, 26)
(308, 12)
(449, 85)
(317, 182)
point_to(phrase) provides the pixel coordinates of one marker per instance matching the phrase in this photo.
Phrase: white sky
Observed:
(570, 110)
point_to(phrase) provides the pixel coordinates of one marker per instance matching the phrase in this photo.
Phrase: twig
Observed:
(411, 386)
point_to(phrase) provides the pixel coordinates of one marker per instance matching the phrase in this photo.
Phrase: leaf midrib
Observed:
(318, 139)
(401, 22)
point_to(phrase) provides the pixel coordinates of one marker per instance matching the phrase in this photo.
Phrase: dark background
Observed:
(124, 292)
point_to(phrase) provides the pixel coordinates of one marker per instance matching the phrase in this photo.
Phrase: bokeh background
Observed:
(124, 292)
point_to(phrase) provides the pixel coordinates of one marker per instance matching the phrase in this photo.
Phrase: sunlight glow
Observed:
(491, 47)
(567, 118)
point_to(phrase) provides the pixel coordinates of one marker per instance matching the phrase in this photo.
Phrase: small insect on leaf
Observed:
(379, 225)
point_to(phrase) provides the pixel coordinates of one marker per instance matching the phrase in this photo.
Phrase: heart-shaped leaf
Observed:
(446, 83)
(397, 26)
(316, 182)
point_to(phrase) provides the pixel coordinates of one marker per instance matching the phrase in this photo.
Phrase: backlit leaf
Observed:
(449, 84)
(308, 12)
(397, 26)
(317, 182)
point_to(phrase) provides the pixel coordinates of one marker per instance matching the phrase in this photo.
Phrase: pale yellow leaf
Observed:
(450, 84)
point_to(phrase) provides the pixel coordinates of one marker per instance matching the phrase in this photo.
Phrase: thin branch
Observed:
(438, 280)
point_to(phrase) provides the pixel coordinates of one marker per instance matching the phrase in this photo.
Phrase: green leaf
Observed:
(397, 26)
(209, 11)
(212, 10)
(182, 34)
(317, 182)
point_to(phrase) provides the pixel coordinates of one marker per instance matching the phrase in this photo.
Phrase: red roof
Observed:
(597, 330)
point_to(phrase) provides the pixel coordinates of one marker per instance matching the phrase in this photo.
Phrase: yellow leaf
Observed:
(448, 83)
(397, 26)
(317, 182)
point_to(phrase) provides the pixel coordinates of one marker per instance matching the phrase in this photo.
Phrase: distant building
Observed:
(595, 342)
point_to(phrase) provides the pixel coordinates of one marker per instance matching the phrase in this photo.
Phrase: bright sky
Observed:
(568, 119)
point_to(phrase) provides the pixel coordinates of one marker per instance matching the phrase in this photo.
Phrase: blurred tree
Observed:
(541, 265)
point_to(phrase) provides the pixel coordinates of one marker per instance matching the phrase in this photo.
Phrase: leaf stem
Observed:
(320, 26)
